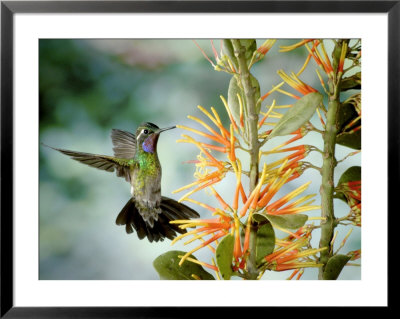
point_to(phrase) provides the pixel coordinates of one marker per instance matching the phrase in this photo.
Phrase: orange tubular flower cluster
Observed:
(296, 83)
(292, 256)
(352, 191)
(210, 171)
(228, 143)
(216, 227)
(322, 61)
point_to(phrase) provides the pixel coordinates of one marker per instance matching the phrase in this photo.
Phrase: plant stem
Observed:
(252, 118)
(327, 186)
(328, 167)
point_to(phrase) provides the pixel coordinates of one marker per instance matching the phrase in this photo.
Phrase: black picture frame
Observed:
(9, 8)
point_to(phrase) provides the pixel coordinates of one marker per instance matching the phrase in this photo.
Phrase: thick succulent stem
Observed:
(329, 164)
(252, 120)
(327, 186)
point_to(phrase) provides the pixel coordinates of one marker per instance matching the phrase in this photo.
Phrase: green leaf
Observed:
(167, 266)
(352, 82)
(259, 217)
(334, 266)
(224, 256)
(288, 221)
(299, 114)
(350, 175)
(352, 140)
(265, 242)
(347, 114)
(233, 101)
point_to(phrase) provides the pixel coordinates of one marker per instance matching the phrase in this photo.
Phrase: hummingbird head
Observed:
(147, 136)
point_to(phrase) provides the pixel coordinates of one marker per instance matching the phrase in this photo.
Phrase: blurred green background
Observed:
(88, 87)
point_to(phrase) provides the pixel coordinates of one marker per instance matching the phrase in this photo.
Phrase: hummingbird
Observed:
(136, 159)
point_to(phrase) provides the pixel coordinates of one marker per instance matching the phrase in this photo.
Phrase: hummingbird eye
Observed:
(145, 131)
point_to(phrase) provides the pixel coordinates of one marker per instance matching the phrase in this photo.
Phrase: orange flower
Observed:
(296, 83)
(352, 191)
(355, 254)
(293, 256)
(323, 64)
(217, 227)
(342, 58)
(294, 46)
(266, 46)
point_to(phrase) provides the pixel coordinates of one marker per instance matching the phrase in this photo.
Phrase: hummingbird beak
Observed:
(165, 129)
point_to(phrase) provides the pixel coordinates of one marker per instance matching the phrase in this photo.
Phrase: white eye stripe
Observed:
(142, 132)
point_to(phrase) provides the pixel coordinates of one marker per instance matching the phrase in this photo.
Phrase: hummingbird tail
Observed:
(171, 210)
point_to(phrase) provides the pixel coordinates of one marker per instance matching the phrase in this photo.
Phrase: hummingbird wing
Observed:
(103, 162)
(124, 143)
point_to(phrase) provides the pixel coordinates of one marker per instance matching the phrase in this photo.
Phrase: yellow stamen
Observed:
(208, 207)
(195, 249)
(327, 61)
(333, 241)
(321, 80)
(198, 144)
(284, 106)
(289, 80)
(304, 65)
(309, 252)
(344, 240)
(223, 141)
(305, 265)
(279, 146)
(289, 196)
(232, 150)
(286, 48)
(208, 183)
(316, 218)
(295, 210)
(240, 109)
(214, 120)
(289, 94)
(285, 230)
(274, 88)
(216, 115)
(216, 272)
(183, 235)
(199, 236)
(320, 118)
(229, 112)
(267, 114)
(187, 186)
(195, 261)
